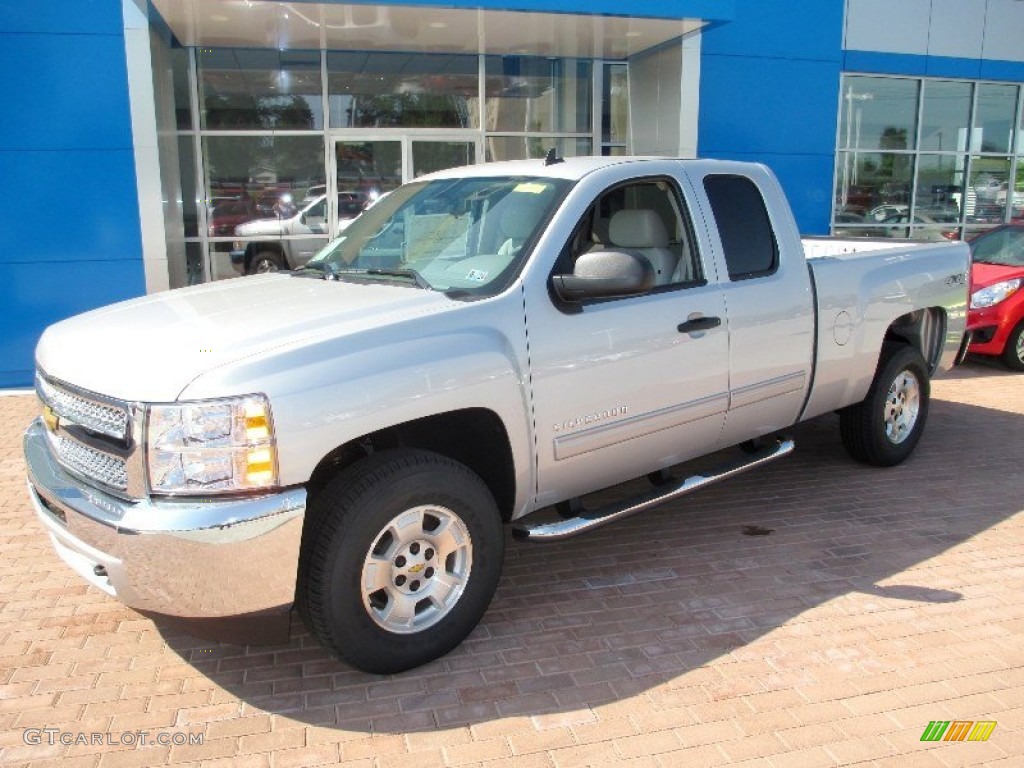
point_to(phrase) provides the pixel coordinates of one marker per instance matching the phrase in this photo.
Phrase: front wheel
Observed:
(401, 558)
(1013, 354)
(265, 261)
(884, 428)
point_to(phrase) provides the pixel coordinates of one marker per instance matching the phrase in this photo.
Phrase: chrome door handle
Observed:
(699, 324)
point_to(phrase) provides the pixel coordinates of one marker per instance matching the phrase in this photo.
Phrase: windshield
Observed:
(1000, 246)
(462, 235)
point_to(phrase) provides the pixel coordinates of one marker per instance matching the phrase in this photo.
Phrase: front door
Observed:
(367, 166)
(626, 386)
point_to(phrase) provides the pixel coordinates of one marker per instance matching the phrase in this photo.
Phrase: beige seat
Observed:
(642, 231)
(517, 223)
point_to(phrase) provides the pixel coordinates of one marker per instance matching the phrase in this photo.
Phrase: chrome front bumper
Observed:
(216, 559)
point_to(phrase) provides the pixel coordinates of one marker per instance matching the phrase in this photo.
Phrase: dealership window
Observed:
(533, 104)
(926, 158)
(251, 138)
(615, 110)
(402, 90)
(242, 89)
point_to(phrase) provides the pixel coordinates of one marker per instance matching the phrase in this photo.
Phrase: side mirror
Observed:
(605, 274)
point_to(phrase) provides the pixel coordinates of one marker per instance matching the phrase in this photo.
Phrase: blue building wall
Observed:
(769, 93)
(69, 221)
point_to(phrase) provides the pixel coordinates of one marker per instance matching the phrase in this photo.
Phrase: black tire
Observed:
(1013, 354)
(265, 261)
(873, 431)
(755, 445)
(347, 533)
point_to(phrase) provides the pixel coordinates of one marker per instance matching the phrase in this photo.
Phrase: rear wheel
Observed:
(401, 557)
(884, 428)
(1013, 354)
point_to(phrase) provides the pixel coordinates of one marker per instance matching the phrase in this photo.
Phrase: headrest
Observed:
(637, 229)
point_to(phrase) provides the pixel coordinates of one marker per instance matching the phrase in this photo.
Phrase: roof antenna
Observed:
(552, 158)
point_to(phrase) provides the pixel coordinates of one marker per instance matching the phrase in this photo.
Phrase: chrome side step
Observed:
(587, 520)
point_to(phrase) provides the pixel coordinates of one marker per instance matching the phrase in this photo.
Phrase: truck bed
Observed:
(860, 285)
(820, 247)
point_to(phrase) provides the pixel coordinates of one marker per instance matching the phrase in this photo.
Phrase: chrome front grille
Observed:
(103, 418)
(91, 463)
(93, 436)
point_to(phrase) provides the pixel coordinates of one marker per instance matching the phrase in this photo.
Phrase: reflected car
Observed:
(270, 244)
(928, 226)
(996, 315)
(225, 215)
(883, 212)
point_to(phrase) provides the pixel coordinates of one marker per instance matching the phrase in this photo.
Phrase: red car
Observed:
(996, 316)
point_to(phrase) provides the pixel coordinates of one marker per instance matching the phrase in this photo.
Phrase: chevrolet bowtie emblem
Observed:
(50, 418)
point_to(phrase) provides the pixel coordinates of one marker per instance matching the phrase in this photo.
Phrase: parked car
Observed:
(996, 315)
(486, 343)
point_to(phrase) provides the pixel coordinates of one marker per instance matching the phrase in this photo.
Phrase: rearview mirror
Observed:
(605, 274)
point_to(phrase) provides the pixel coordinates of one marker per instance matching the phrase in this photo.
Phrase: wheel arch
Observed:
(475, 437)
(260, 246)
(924, 330)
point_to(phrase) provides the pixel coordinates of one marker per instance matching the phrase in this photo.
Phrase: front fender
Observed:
(334, 390)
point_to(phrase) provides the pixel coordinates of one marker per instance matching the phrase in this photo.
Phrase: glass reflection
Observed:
(430, 156)
(261, 176)
(987, 189)
(261, 192)
(878, 113)
(527, 94)
(615, 105)
(873, 184)
(368, 169)
(945, 115)
(994, 118)
(534, 147)
(939, 187)
(260, 89)
(403, 90)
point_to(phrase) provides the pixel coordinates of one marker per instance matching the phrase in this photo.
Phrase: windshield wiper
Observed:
(331, 271)
(412, 274)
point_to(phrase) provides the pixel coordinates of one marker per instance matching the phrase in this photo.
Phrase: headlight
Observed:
(989, 297)
(213, 446)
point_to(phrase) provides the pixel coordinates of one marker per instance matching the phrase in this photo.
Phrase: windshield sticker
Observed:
(533, 188)
(477, 275)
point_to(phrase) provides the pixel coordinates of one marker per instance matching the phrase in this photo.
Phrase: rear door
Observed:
(768, 300)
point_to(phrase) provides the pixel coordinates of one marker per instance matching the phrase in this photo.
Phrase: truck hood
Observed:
(149, 349)
(262, 227)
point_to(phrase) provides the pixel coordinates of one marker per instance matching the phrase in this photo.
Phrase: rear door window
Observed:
(748, 240)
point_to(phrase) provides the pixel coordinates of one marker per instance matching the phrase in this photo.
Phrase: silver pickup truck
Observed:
(486, 342)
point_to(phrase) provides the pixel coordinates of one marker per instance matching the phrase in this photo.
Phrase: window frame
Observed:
(750, 275)
(565, 260)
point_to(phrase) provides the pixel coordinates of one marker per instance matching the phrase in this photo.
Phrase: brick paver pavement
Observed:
(881, 600)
